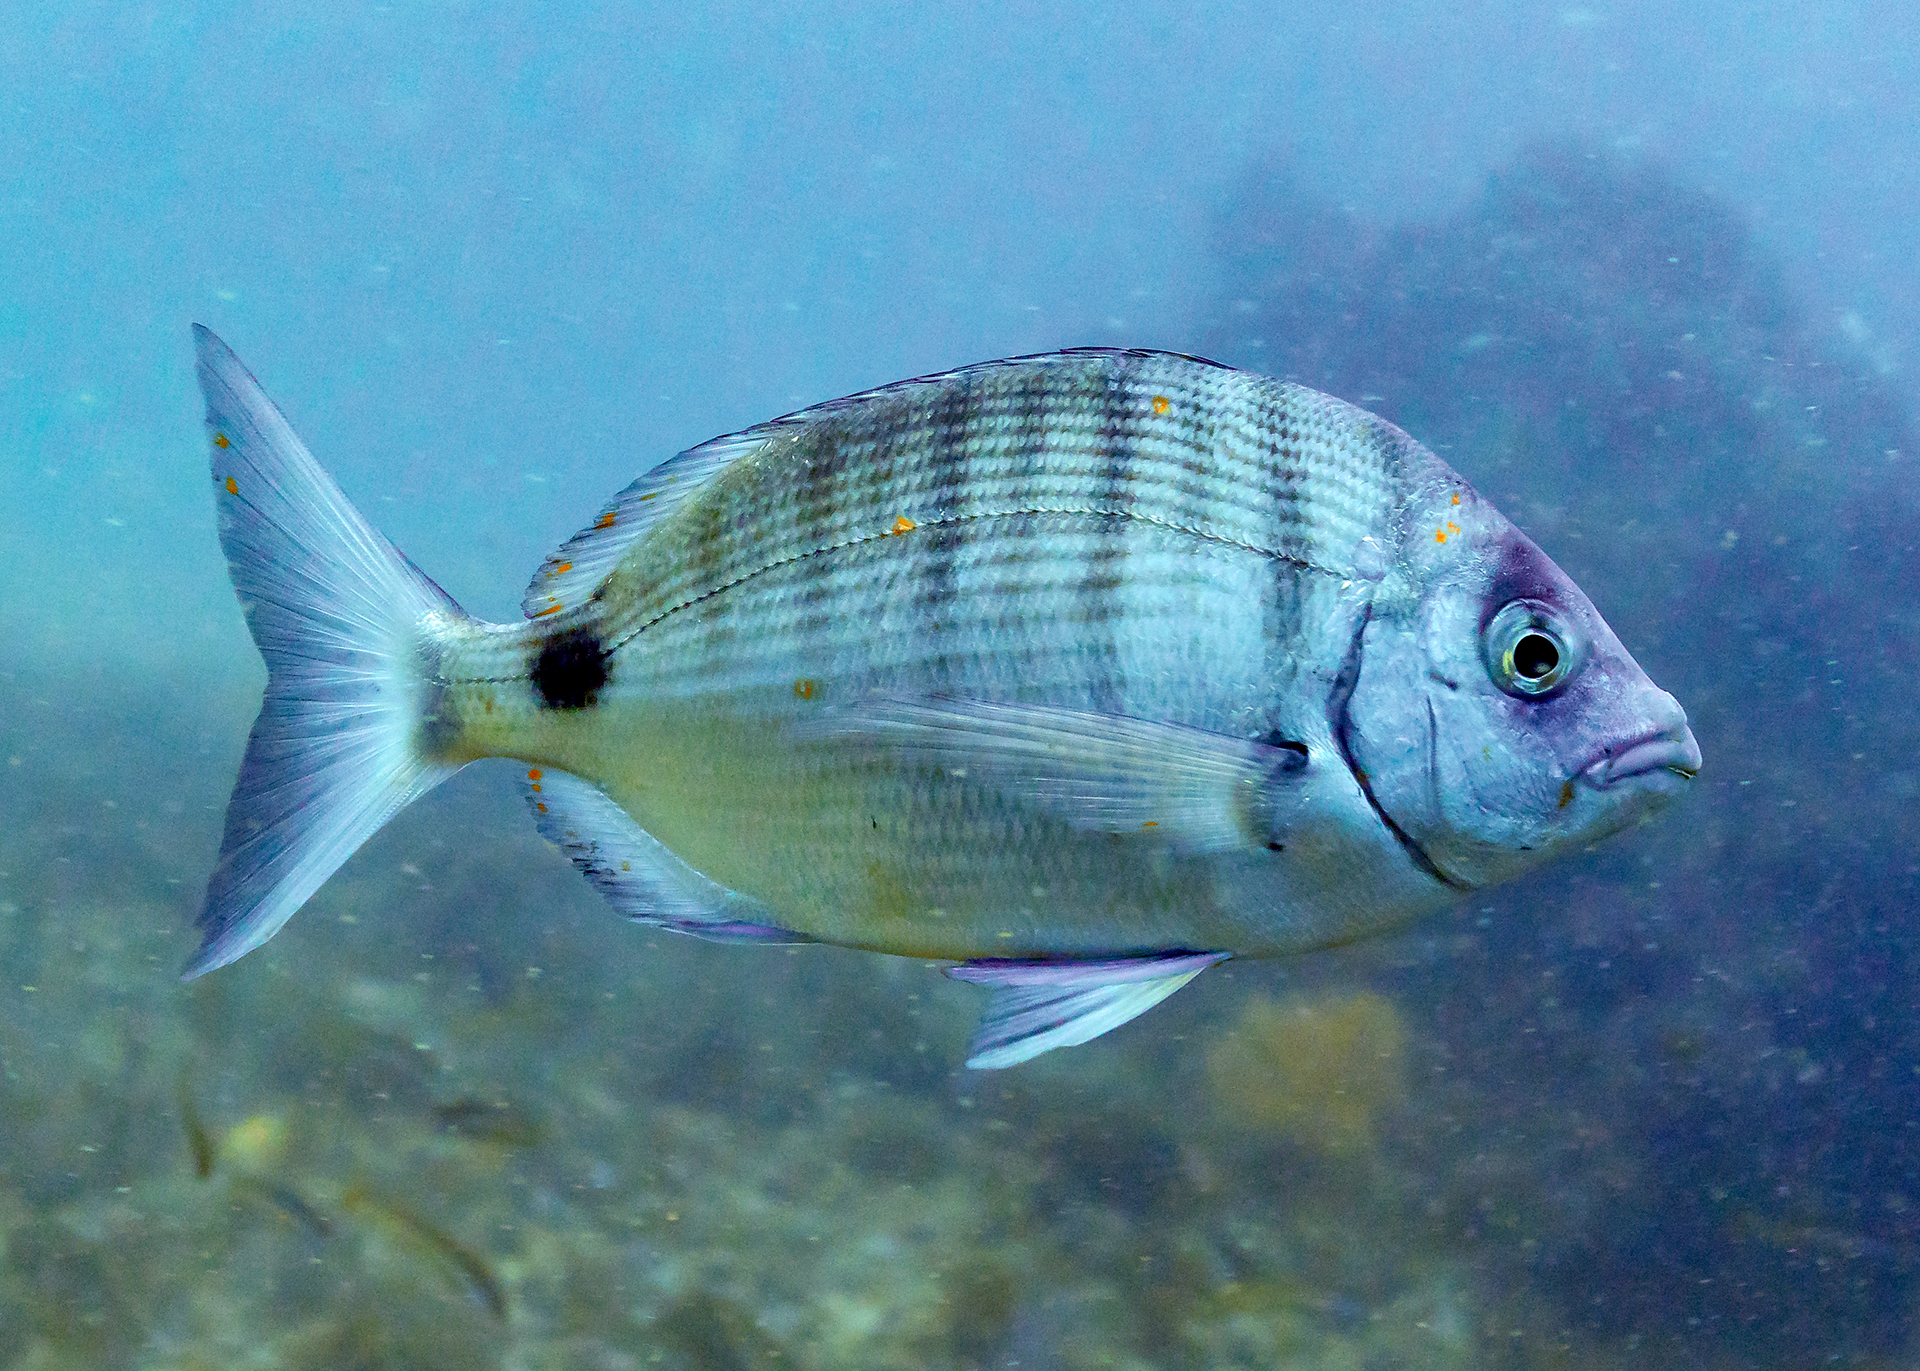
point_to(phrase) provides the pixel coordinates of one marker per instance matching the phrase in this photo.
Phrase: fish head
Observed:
(1494, 718)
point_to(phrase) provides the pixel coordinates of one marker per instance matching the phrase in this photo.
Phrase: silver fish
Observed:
(1082, 671)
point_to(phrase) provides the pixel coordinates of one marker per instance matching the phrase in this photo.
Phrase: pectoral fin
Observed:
(1038, 1006)
(1193, 788)
(636, 872)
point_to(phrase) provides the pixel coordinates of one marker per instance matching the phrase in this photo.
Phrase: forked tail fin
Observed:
(347, 626)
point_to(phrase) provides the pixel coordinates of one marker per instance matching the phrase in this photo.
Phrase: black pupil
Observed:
(1535, 656)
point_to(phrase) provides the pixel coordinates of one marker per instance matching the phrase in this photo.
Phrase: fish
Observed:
(200, 1144)
(206, 1155)
(489, 1121)
(1080, 672)
(286, 1199)
(423, 1233)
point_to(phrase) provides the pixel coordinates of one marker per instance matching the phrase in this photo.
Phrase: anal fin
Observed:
(1038, 1006)
(638, 874)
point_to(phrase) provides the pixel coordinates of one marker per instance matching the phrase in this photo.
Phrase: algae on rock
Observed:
(1318, 1072)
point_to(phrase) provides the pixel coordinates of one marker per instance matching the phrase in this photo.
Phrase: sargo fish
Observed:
(1082, 672)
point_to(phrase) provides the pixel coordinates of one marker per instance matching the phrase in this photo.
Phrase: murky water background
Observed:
(1647, 282)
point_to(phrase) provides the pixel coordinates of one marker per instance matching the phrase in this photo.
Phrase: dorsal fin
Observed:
(576, 568)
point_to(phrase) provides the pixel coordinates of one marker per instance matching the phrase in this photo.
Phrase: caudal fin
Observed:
(346, 624)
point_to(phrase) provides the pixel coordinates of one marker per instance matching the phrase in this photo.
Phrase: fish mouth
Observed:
(1674, 751)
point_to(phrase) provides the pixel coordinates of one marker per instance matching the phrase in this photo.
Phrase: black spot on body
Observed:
(571, 669)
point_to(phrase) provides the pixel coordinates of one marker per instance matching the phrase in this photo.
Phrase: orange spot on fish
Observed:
(534, 774)
(1456, 497)
(1161, 404)
(605, 520)
(220, 440)
(562, 569)
(540, 805)
(1439, 535)
(1566, 794)
(553, 608)
(645, 498)
(233, 486)
(904, 525)
(804, 688)
(1151, 823)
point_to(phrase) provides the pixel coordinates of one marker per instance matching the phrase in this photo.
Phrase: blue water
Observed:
(1649, 281)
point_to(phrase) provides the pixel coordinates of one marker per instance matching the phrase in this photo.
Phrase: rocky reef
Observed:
(1681, 1064)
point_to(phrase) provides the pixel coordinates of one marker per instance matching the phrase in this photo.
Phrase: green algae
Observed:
(668, 1153)
(703, 1332)
(1319, 1071)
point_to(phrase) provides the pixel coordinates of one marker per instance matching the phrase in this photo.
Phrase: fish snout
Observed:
(1671, 749)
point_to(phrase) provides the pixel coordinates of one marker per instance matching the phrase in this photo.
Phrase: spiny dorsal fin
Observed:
(577, 566)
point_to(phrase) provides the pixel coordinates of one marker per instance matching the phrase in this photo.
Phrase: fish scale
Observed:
(1283, 461)
(1008, 605)
(1103, 532)
(1086, 671)
(696, 755)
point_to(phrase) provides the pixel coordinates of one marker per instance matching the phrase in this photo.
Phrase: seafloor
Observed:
(1653, 1107)
(458, 1116)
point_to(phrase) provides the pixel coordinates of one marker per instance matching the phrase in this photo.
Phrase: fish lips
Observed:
(1671, 751)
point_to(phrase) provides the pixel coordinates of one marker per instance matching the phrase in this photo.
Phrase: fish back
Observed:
(959, 524)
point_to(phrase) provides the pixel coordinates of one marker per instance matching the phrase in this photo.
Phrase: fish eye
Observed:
(1535, 657)
(1530, 653)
